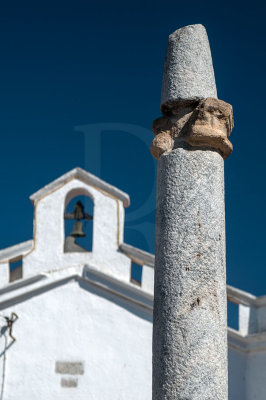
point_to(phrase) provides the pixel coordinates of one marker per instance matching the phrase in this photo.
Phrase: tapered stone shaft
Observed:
(188, 71)
(190, 328)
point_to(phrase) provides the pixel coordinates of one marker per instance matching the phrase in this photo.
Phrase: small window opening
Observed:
(79, 225)
(232, 315)
(15, 269)
(136, 274)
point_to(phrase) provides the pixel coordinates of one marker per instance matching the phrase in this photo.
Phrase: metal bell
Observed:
(78, 230)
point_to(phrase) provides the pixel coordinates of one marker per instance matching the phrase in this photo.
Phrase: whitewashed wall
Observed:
(102, 340)
(109, 337)
(247, 347)
(108, 228)
(236, 375)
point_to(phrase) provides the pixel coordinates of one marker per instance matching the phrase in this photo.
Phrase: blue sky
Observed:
(80, 86)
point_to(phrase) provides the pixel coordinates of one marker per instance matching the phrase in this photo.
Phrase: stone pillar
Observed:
(191, 143)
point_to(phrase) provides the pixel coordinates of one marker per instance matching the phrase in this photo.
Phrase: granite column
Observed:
(190, 144)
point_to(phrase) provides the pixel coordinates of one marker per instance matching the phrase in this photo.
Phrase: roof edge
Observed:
(139, 256)
(246, 343)
(89, 178)
(26, 288)
(16, 250)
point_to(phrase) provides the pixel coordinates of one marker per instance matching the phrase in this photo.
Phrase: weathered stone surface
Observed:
(189, 331)
(211, 124)
(162, 143)
(188, 70)
(206, 123)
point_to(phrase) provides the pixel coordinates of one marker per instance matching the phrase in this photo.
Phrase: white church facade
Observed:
(75, 323)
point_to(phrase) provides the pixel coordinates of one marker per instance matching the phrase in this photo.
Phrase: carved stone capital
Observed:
(205, 124)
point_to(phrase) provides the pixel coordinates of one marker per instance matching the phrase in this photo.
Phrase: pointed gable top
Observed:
(84, 176)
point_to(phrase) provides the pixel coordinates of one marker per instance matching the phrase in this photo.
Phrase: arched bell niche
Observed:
(78, 222)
